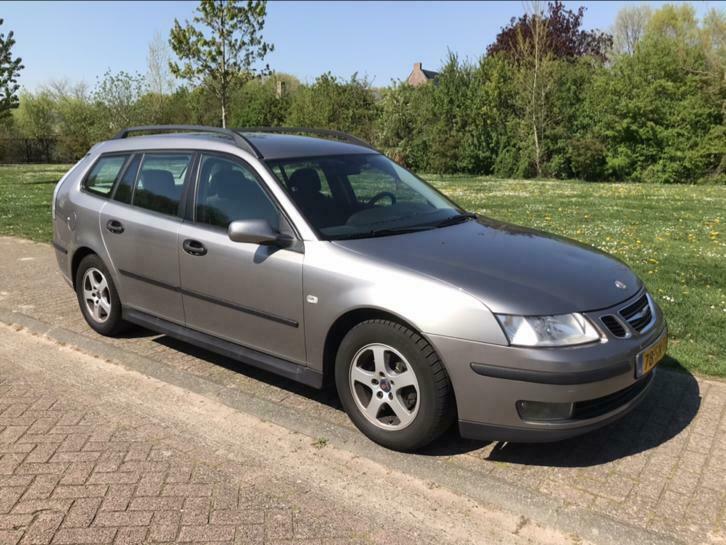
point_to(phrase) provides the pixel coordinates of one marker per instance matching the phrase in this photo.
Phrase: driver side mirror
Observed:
(257, 232)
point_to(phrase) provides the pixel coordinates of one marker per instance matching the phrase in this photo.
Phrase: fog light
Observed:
(538, 410)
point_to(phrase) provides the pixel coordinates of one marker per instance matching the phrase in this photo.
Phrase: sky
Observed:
(79, 41)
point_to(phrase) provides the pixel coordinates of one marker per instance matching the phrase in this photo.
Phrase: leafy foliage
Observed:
(9, 71)
(224, 51)
(565, 38)
(654, 112)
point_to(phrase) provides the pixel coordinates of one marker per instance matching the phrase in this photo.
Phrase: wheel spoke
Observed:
(362, 376)
(379, 358)
(87, 294)
(102, 285)
(404, 379)
(404, 415)
(374, 407)
(105, 306)
(97, 312)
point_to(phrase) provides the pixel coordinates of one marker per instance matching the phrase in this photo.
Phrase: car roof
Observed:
(271, 146)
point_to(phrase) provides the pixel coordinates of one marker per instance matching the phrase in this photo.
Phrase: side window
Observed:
(161, 181)
(104, 173)
(228, 191)
(125, 186)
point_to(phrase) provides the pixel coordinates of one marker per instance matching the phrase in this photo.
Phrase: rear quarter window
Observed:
(104, 173)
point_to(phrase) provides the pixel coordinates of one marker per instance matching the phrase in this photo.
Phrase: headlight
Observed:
(562, 330)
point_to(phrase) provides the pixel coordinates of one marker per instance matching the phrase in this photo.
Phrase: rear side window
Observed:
(161, 182)
(125, 186)
(104, 173)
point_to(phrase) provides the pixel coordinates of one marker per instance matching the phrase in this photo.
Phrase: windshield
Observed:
(356, 196)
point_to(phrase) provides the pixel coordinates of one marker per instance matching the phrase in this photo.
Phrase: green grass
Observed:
(672, 236)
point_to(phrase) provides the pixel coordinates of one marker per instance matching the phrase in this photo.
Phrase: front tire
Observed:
(393, 385)
(98, 298)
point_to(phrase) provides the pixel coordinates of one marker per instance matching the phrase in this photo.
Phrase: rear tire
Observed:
(393, 385)
(98, 298)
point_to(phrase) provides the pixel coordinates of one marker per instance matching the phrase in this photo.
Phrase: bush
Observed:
(587, 158)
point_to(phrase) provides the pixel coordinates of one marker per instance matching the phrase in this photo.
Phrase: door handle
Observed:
(115, 226)
(194, 247)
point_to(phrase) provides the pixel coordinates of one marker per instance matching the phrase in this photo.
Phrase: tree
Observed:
(223, 53)
(629, 28)
(9, 71)
(118, 97)
(160, 81)
(563, 38)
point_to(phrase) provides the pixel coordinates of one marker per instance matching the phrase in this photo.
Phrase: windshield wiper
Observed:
(384, 232)
(458, 218)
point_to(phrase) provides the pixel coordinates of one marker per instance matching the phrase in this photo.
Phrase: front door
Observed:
(140, 226)
(244, 293)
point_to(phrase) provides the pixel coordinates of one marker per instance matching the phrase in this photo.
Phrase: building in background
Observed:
(419, 76)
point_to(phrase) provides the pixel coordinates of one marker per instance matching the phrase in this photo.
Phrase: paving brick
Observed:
(156, 504)
(13, 522)
(43, 528)
(82, 513)
(9, 497)
(77, 473)
(34, 506)
(80, 491)
(160, 533)
(119, 477)
(206, 533)
(11, 434)
(117, 497)
(42, 487)
(10, 537)
(278, 524)
(42, 452)
(131, 536)
(187, 490)
(150, 484)
(123, 518)
(76, 456)
(41, 469)
(236, 517)
(81, 536)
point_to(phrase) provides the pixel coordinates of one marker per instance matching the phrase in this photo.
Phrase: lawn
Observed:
(672, 236)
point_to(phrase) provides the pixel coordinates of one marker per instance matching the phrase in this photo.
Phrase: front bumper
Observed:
(598, 379)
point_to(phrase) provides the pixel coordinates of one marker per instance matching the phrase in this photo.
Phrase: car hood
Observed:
(511, 269)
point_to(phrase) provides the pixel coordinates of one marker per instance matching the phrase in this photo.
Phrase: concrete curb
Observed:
(478, 486)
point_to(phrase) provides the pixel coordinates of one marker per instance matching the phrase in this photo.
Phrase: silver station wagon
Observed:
(309, 254)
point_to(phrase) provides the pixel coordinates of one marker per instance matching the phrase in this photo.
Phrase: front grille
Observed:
(638, 314)
(614, 325)
(593, 408)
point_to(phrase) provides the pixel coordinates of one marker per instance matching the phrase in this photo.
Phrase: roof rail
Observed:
(307, 130)
(237, 138)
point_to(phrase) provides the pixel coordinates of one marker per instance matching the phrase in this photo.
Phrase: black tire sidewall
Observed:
(115, 323)
(427, 423)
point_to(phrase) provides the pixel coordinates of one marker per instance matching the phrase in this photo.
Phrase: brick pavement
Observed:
(71, 472)
(663, 468)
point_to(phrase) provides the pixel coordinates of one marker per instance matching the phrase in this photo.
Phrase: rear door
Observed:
(244, 293)
(140, 226)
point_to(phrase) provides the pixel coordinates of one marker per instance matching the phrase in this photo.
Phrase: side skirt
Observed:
(279, 366)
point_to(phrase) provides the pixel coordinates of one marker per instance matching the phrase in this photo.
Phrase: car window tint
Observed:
(228, 191)
(161, 181)
(125, 186)
(104, 173)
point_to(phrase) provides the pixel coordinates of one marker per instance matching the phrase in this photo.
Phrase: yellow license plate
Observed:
(650, 357)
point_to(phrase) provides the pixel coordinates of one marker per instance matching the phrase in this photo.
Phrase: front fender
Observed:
(341, 281)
